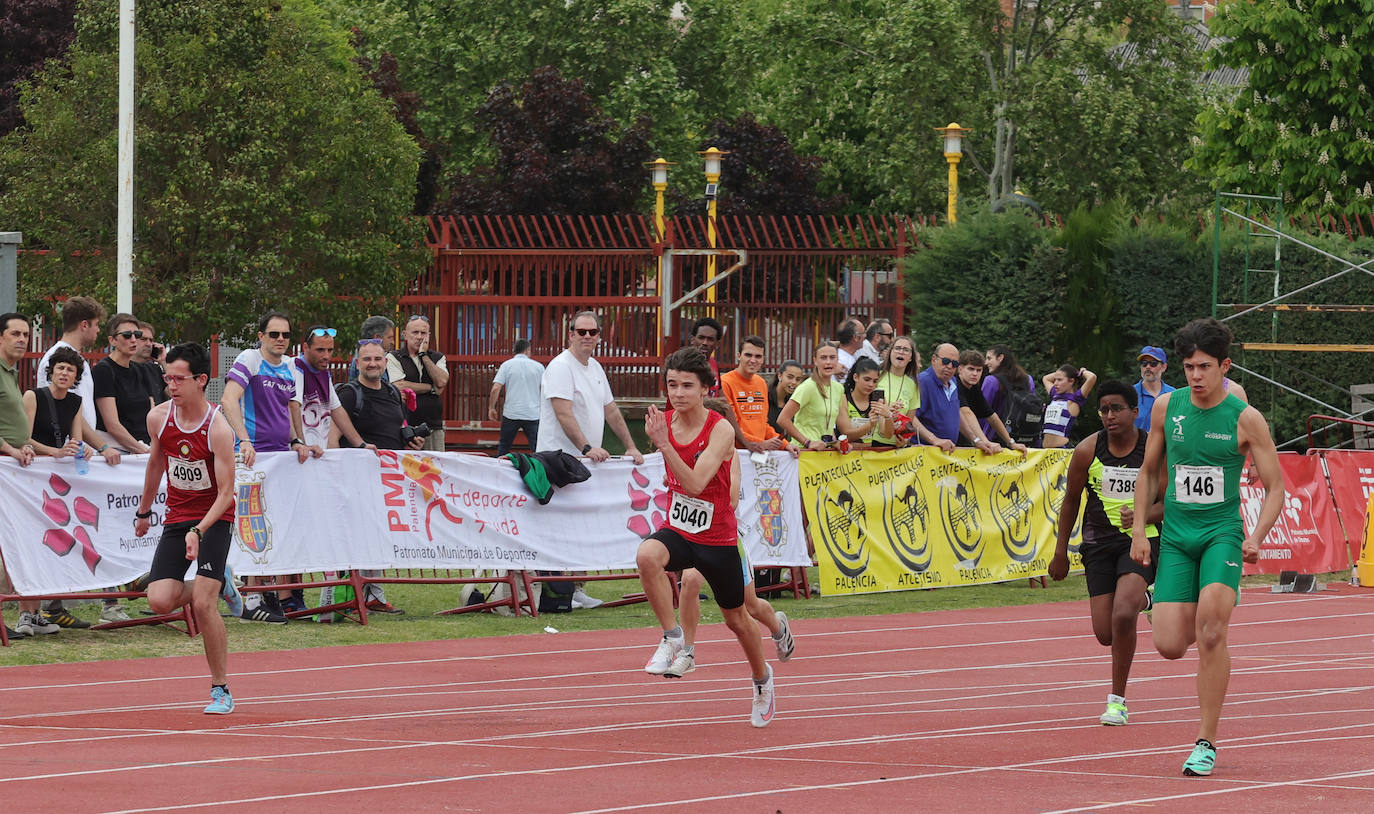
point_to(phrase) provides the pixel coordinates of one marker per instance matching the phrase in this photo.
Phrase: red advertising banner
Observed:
(1352, 482)
(1307, 536)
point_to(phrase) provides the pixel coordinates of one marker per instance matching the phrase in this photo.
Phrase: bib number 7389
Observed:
(1199, 484)
(690, 514)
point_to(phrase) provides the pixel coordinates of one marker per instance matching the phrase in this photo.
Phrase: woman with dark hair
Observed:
(1003, 375)
(897, 381)
(56, 426)
(784, 384)
(1069, 388)
(868, 411)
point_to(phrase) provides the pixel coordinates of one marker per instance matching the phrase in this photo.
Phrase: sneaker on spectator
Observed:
(581, 601)
(63, 618)
(229, 592)
(262, 614)
(221, 702)
(663, 656)
(33, 624)
(14, 634)
(683, 663)
(762, 712)
(113, 613)
(783, 642)
(291, 604)
(376, 601)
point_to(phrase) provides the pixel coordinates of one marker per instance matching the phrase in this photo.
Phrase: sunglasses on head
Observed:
(130, 334)
(949, 362)
(414, 317)
(587, 331)
(1104, 409)
(277, 334)
(324, 332)
(373, 341)
(1150, 363)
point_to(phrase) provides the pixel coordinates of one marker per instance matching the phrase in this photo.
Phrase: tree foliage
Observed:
(268, 174)
(33, 32)
(557, 153)
(1304, 122)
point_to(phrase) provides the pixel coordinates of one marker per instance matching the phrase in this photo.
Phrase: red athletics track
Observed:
(987, 710)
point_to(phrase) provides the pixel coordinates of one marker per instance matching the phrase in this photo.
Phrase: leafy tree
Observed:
(385, 75)
(33, 31)
(268, 173)
(1304, 121)
(1086, 99)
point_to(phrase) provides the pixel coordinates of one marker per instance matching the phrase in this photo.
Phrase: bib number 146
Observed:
(1198, 484)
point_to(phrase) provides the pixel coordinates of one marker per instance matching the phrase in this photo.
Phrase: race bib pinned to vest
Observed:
(188, 476)
(1118, 482)
(690, 514)
(1199, 484)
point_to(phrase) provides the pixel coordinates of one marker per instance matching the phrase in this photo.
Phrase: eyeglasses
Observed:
(887, 333)
(130, 334)
(1104, 409)
(278, 334)
(373, 341)
(945, 360)
(1150, 363)
(900, 349)
(587, 331)
(324, 332)
(174, 378)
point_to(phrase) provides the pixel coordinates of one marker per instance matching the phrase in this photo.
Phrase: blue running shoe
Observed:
(1201, 761)
(230, 594)
(221, 702)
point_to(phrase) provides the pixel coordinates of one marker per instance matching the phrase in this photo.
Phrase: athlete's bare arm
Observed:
(1149, 483)
(1254, 440)
(1073, 498)
(694, 479)
(156, 468)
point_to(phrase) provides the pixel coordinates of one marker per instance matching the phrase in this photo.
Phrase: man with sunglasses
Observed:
(1153, 363)
(262, 402)
(123, 393)
(877, 339)
(939, 410)
(1107, 464)
(414, 366)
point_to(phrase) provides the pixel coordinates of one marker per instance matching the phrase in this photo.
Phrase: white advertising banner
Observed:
(61, 532)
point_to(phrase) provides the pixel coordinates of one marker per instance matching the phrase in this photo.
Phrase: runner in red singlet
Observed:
(698, 447)
(193, 444)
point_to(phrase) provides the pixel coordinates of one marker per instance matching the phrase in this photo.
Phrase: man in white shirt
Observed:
(576, 406)
(876, 339)
(849, 340)
(519, 380)
(82, 319)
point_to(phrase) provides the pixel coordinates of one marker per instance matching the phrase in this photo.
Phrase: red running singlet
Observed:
(191, 486)
(707, 518)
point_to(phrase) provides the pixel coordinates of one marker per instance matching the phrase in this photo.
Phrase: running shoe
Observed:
(113, 613)
(291, 604)
(581, 601)
(382, 606)
(262, 614)
(664, 655)
(1115, 715)
(221, 702)
(34, 624)
(783, 641)
(13, 634)
(683, 663)
(1149, 608)
(764, 707)
(1201, 761)
(63, 618)
(229, 592)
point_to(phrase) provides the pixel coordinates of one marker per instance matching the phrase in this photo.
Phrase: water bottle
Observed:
(83, 464)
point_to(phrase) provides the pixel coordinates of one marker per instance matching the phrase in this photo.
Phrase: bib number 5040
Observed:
(690, 514)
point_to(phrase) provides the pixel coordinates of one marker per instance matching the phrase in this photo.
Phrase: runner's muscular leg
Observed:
(166, 595)
(746, 631)
(205, 602)
(651, 559)
(1214, 656)
(1127, 603)
(1174, 628)
(761, 609)
(1100, 611)
(689, 604)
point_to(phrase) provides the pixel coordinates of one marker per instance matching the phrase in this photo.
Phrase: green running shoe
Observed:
(1115, 715)
(1201, 761)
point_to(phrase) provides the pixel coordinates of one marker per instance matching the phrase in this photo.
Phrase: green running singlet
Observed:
(1202, 532)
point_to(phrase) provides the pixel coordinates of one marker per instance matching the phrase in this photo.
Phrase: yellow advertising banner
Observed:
(920, 517)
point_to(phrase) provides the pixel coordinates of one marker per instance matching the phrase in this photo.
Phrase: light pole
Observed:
(658, 176)
(711, 156)
(953, 134)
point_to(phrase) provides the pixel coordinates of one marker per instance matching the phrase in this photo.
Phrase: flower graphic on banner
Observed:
(652, 505)
(61, 541)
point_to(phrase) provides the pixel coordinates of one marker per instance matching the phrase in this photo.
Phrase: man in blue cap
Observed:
(1153, 363)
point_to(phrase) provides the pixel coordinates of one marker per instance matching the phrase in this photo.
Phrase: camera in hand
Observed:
(420, 430)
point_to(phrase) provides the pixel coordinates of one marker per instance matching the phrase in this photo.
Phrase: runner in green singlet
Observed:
(1200, 438)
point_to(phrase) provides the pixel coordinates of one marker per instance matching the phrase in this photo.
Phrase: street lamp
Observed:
(711, 156)
(658, 175)
(954, 135)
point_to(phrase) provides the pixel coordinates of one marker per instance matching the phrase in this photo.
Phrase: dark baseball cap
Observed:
(1152, 352)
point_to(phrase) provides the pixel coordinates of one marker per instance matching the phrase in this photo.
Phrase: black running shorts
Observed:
(719, 564)
(1105, 563)
(169, 561)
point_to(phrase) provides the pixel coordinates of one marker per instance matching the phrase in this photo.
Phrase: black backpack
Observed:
(1025, 412)
(555, 596)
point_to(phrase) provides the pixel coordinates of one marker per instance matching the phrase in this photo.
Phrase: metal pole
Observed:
(9, 270)
(124, 292)
(1216, 251)
(952, 207)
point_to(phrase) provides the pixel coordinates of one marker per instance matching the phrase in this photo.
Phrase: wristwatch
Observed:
(295, 441)
(586, 448)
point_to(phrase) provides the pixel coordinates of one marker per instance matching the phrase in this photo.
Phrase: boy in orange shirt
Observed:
(747, 393)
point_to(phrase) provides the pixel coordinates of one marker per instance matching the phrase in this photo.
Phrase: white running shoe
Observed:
(35, 623)
(580, 600)
(683, 663)
(113, 613)
(664, 655)
(784, 643)
(764, 707)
